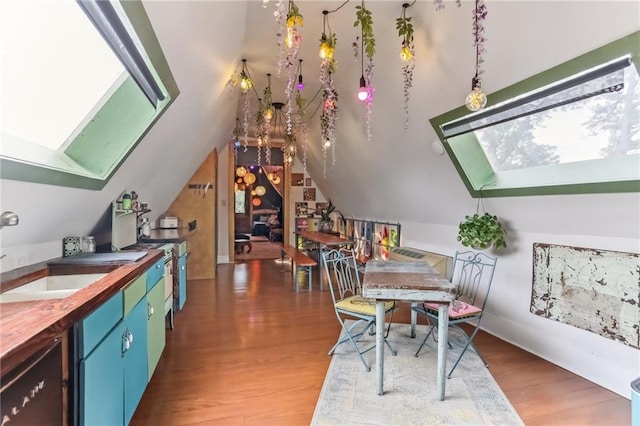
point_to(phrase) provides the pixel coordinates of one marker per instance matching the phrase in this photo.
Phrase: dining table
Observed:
(322, 239)
(413, 282)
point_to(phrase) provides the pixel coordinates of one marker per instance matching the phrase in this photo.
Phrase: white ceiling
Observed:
(394, 176)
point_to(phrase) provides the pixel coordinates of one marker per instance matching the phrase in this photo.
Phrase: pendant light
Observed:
(245, 81)
(300, 85)
(476, 99)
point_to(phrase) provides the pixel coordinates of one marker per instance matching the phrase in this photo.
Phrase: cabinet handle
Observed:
(130, 336)
(149, 310)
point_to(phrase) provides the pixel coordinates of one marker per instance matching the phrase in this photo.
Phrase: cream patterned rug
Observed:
(348, 396)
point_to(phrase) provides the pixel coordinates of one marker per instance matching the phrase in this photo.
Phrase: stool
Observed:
(240, 243)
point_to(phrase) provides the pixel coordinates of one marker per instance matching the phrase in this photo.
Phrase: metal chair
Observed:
(342, 273)
(473, 272)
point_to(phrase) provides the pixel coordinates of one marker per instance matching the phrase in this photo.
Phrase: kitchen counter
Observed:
(25, 327)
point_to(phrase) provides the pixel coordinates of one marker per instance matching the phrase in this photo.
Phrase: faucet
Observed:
(8, 219)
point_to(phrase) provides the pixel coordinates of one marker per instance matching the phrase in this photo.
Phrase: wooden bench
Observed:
(299, 260)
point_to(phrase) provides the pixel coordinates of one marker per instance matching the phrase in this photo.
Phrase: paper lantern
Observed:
(256, 202)
(276, 180)
(249, 178)
(253, 192)
(241, 171)
(260, 190)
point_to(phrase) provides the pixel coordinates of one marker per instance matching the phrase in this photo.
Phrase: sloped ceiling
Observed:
(395, 175)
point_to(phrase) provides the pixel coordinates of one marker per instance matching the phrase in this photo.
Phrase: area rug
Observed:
(348, 396)
(260, 250)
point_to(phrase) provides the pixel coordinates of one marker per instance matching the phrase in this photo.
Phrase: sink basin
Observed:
(50, 287)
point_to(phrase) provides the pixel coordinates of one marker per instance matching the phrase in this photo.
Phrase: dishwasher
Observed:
(32, 393)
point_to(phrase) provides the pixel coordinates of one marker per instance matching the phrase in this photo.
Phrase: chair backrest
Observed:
(473, 272)
(342, 273)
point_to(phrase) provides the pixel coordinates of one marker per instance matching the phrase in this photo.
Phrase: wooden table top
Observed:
(413, 281)
(323, 238)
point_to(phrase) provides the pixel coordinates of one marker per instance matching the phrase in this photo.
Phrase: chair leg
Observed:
(464, 349)
(353, 340)
(431, 327)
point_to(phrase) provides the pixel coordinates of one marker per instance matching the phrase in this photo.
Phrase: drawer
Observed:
(182, 248)
(154, 274)
(134, 292)
(98, 323)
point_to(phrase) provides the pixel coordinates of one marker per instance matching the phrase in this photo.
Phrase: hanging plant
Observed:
(481, 232)
(329, 114)
(293, 42)
(407, 56)
(440, 4)
(364, 19)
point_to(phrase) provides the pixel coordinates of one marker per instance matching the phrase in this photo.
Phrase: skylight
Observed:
(574, 129)
(56, 71)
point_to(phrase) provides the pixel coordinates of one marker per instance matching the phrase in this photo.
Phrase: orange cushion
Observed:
(457, 309)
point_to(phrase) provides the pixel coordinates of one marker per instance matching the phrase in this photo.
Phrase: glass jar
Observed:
(88, 244)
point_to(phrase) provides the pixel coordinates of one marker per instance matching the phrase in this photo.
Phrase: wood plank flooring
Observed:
(248, 350)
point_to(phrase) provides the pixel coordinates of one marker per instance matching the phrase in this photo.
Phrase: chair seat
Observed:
(361, 305)
(458, 309)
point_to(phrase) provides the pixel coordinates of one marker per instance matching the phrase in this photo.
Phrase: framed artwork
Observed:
(307, 182)
(309, 194)
(297, 179)
(301, 209)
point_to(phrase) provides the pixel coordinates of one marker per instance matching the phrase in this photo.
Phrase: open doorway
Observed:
(259, 206)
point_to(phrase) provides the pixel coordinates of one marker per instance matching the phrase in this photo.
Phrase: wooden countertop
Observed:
(25, 327)
(177, 235)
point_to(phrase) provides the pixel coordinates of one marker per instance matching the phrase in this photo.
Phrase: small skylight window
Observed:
(56, 69)
(577, 133)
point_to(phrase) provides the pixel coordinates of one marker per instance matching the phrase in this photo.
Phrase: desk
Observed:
(322, 239)
(409, 281)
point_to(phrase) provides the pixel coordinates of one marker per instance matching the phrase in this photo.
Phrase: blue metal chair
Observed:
(473, 272)
(343, 278)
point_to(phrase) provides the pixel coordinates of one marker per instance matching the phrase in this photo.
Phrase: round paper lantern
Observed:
(241, 171)
(239, 180)
(260, 190)
(249, 178)
(253, 192)
(256, 202)
(276, 180)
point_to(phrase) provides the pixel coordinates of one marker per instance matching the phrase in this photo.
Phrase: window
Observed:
(74, 110)
(574, 129)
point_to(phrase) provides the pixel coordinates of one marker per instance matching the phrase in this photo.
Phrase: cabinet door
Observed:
(182, 281)
(135, 358)
(101, 382)
(156, 337)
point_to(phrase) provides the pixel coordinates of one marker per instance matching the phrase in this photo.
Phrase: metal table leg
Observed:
(380, 346)
(443, 340)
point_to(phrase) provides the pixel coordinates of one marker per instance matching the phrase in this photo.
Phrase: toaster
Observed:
(169, 222)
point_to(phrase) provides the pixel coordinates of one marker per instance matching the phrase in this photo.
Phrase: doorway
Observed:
(259, 200)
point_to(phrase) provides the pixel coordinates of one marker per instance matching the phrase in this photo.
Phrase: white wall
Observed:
(608, 363)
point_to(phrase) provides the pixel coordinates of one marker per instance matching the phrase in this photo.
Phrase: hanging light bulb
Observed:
(326, 51)
(405, 52)
(300, 84)
(245, 82)
(476, 99)
(363, 92)
(268, 113)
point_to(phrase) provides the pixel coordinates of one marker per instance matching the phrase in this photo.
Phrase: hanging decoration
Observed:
(293, 42)
(407, 56)
(329, 115)
(364, 19)
(477, 99)
(260, 135)
(267, 118)
(440, 4)
(235, 140)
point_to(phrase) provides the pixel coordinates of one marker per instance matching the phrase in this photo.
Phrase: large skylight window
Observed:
(56, 70)
(577, 131)
(82, 83)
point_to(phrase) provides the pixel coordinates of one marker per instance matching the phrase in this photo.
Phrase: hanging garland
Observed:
(407, 56)
(329, 114)
(364, 19)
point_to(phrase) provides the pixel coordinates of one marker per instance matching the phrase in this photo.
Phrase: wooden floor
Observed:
(248, 350)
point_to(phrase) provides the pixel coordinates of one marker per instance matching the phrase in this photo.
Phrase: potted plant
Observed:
(481, 232)
(326, 223)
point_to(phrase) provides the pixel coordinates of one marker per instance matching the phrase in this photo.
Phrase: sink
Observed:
(50, 287)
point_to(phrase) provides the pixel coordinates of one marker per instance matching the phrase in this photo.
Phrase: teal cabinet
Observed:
(114, 375)
(156, 337)
(182, 280)
(102, 382)
(119, 346)
(135, 358)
